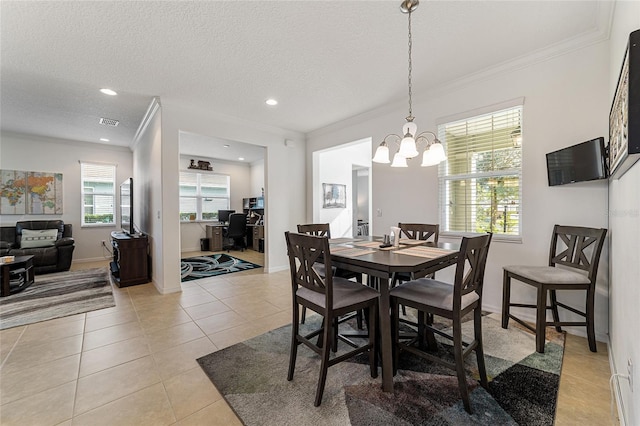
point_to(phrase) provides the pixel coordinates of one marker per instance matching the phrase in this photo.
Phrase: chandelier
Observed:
(434, 151)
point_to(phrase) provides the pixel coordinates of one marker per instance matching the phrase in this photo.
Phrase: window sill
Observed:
(98, 225)
(499, 238)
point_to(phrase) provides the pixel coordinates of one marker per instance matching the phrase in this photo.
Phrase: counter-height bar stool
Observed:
(330, 297)
(453, 302)
(324, 230)
(573, 251)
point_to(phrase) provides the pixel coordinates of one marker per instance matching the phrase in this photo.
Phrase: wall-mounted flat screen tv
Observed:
(578, 163)
(126, 207)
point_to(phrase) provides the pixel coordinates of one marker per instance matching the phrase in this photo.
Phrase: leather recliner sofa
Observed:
(55, 257)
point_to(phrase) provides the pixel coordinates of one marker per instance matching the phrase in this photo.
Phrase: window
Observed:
(480, 188)
(202, 195)
(98, 193)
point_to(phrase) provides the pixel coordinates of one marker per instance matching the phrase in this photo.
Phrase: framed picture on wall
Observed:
(624, 117)
(334, 196)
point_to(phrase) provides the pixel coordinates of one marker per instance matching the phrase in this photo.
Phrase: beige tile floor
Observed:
(134, 364)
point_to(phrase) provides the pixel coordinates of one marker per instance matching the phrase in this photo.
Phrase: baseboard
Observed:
(616, 384)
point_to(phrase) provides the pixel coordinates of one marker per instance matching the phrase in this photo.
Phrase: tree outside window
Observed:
(480, 186)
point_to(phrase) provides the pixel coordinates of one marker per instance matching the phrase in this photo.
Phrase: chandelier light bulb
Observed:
(399, 161)
(408, 147)
(438, 152)
(382, 154)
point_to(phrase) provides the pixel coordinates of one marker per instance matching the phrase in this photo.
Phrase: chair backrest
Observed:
(419, 231)
(570, 246)
(470, 267)
(317, 229)
(305, 253)
(237, 225)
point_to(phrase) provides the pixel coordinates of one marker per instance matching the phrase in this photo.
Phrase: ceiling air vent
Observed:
(109, 122)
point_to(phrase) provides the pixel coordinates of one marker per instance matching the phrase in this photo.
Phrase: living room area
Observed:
(135, 362)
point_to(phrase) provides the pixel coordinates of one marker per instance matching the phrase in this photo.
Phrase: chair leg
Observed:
(294, 342)
(477, 328)
(334, 345)
(395, 334)
(360, 314)
(459, 359)
(304, 315)
(372, 331)
(541, 318)
(591, 333)
(506, 298)
(324, 365)
(554, 309)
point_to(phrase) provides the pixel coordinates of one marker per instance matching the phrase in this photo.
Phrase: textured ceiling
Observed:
(323, 60)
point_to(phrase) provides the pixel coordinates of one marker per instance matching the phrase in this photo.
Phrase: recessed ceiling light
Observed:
(271, 102)
(104, 139)
(241, 158)
(226, 146)
(108, 92)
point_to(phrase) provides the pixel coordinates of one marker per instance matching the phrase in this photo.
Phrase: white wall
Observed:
(36, 153)
(566, 102)
(284, 177)
(336, 166)
(257, 179)
(240, 181)
(147, 182)
(624, 232)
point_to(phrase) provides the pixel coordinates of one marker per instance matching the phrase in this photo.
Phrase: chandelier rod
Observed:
(410, 117)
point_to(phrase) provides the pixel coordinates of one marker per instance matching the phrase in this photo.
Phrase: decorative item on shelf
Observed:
(407, 144)
(202, 165)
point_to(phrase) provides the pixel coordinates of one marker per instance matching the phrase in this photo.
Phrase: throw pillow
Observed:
(33, 238)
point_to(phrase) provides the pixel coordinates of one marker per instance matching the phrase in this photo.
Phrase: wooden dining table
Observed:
(364, 254)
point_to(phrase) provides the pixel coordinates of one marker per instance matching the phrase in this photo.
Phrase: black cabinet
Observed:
(130, 265)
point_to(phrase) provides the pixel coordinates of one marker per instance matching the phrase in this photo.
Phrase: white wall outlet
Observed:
(630, 373)
(379, 212)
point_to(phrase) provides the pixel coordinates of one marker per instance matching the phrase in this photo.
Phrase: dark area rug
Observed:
(57, 295)
(195, 268)
(523, 384)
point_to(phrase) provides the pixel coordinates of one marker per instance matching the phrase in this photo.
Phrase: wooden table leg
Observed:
(385, 336)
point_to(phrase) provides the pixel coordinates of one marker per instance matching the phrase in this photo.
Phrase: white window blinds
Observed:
(480, 183)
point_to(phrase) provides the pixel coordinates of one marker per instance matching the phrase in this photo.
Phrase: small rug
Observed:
(195, 268)
(57, 295)
(522, 389)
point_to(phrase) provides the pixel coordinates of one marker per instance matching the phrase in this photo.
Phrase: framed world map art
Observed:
(624, 118)
(30, 192)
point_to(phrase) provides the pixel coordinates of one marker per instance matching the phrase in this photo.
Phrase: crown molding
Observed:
(600, 33)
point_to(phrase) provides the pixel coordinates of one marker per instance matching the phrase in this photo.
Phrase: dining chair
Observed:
(452, 302)
(329, 296)
(324, 230)
(573, 251)
(415, 231)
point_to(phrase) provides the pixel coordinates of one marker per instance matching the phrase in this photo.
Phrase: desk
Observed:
(215, 235)
(381, 265)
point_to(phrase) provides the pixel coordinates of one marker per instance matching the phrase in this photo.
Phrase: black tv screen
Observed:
(578, 163)
(126, 207)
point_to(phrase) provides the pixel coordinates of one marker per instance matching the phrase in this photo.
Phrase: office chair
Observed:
(236, 231)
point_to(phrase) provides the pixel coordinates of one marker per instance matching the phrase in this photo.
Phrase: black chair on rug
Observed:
(330, 297)
(569, 248)
(449, 301)
(236, 232)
